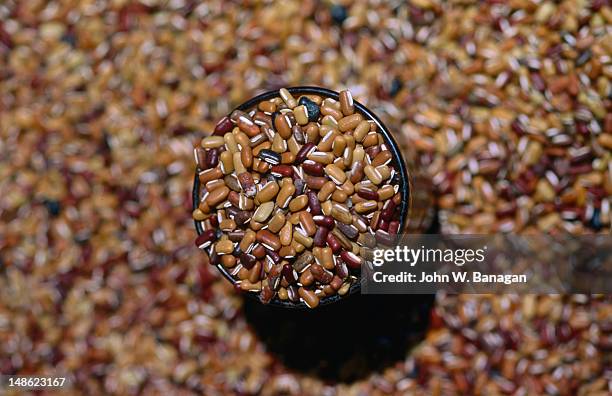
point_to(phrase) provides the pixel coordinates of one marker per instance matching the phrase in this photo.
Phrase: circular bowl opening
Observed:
(397, 160)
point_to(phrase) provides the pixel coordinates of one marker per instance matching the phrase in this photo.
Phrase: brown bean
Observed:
(285, 194)
(335, 174)
(277, 222)
(309, 297)
(346, 103)
(326, 191)
(349, 122)
(268, 192)
(211, 142)
(216, 196)
(246, 155)
(282, 123)
(286, 234)
(269, 240)
(299, 237)
(307, 223)
(298, 203)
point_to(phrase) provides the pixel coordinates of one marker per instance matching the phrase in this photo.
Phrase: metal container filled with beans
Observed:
(292, 190)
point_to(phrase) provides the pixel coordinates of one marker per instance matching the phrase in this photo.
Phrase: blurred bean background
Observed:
(505, 106)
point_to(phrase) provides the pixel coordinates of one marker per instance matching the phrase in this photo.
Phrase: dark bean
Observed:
(205, 239)
(338, 13)
(282, 170)
(212, 158)
(223, 126)
(320, 237)
(275, 280)
(348, 230)
(236, 236)
(368, 194)
(324, 221)
(200, 157)
(396, 86)
(341, 268)
(215, 259)
(269, 156)
(300, 185)
(53, 207)
(584, 57)
(312, 109)
(388, 211)
(303, 153)
(351, 259)
(313, 168)
(292, 293)
(274, 256)
(333, 243)
(247, 260)
(298, 134)
(243, 217)
(313, 203)
(290, 274)
(394, 227)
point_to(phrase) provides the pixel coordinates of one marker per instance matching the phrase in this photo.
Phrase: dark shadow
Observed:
(348, 340)
(344, 341)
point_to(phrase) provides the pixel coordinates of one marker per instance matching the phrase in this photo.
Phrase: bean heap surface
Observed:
(293, 194)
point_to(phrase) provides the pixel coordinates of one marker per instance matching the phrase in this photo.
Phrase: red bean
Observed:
(368, 194)
(212, 158)
(200, 157)
(324, 221)
(341, 268)
(333, 243)
(247, 260)
(303, 153)
(290, 274)
(205, 239)
(313, 203)
(223, 126)
(351, 259)
(315, 182)
(388, 211)
(282, 170)
(393, 227)
(320, 237)
(313, 168)
(275, 257)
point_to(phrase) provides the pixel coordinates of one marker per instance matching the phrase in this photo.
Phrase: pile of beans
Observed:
(294, 193)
